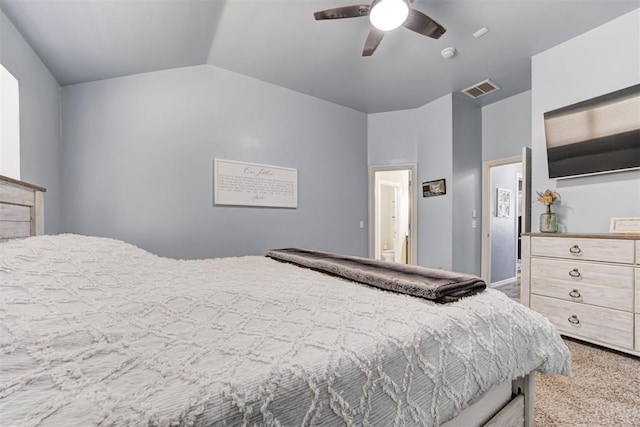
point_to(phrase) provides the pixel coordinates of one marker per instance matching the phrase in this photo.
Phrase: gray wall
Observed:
(599, 61)
(467, 184)
(506, 127)
(435, 224)
(39, 120)
(392, 137)
(422, 136)
(138, 152)
(444, 138)
(504, 231)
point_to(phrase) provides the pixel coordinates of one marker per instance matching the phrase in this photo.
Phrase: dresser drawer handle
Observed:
(575, 273)
(575, 294)
(575, 250)
(574, 321)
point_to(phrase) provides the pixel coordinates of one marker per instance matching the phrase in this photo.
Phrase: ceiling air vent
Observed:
(482, 88)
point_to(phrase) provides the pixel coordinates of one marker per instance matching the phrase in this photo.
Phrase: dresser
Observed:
(587, 285)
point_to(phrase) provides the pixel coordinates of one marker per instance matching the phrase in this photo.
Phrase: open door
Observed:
(493, 223)
(392, 213)
(525, 224)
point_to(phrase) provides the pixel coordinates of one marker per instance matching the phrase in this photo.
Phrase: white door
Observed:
(389, 222)
(519, 220)
(392, 213)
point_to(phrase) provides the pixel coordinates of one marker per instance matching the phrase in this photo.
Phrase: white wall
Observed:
(9, 125)
(39, 120)
(138, 153)
(600, 61)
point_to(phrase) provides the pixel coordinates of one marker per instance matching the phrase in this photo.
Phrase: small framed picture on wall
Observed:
(434, 188)
(503, 206)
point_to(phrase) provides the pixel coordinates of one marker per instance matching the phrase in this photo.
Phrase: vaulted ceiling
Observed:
(278, 41)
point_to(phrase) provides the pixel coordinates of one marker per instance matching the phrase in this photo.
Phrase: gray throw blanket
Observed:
(437, 285)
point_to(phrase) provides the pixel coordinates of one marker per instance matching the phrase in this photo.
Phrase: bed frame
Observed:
(506, 405)
(21, 209)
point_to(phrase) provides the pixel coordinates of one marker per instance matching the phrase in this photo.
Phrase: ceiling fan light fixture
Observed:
(387, 15)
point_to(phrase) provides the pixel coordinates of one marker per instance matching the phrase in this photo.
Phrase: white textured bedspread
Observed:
(96, 331)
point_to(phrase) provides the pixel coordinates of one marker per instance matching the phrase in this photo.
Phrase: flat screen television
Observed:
(596, 136)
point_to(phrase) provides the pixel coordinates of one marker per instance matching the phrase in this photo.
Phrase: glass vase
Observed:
(548, 221)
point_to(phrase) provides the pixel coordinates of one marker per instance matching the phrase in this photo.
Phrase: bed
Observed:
(95, 331)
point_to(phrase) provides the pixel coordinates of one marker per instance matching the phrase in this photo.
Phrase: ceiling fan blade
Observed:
(422, 24)
(373, 40)
(343, 12)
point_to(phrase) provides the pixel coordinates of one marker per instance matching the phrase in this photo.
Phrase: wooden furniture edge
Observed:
(528, 386)
(525, 270)
(35, 203)
(512, 414)
(518, 410)
(627, 236)
(22, 183)
(37, 214)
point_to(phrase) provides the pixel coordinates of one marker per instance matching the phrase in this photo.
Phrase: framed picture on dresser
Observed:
(627, 225)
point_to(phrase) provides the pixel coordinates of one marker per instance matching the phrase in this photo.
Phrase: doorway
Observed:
(392, 214)
(506, 211)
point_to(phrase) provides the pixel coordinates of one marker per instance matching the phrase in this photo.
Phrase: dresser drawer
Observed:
(638, 252)
(596, 323)
(596, 284)
(606, 250)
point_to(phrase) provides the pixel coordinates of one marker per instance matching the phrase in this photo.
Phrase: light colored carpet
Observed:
(603, 391)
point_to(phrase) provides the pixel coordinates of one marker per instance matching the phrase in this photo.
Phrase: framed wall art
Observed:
(503, 206)
(434, 188)
(252, 184)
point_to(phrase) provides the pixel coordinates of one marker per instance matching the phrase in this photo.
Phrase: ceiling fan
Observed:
(385, 15)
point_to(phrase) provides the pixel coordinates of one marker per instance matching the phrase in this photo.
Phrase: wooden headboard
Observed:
(21, 209)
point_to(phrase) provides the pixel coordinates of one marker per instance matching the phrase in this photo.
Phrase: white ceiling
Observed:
(278, 41)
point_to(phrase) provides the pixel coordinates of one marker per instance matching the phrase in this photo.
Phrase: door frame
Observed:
(525, 159)
(413, 207)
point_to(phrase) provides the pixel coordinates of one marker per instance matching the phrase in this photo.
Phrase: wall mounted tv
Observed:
(596, 136)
